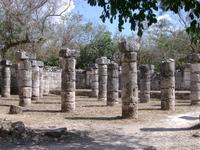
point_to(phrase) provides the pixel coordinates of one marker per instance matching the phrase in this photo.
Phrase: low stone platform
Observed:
(185, 95)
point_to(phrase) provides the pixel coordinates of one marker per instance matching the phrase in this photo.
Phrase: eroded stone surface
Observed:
(145, 77)
(5, 78)
(95, 81)
(113, 84)
(195, 78)
(167, 72)
(129, 81)
(103, 75)
(68, 85)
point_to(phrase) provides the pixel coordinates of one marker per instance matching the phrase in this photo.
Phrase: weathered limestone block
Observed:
(120, 77)
(24, 78)
(167, 73)
(103, 75)
(46, 82)
(95, 81)
(41, 77)
(35, 80)
(145, 77)
(113, 84)
(129, 81)
(195, 78)
(68, 85)
(5, 78)
(88, 78)
(186, 76)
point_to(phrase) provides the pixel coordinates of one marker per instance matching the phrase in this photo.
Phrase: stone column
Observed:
(129, 81)
(186, 76)
(152, 69)
(113, 84)
(120, 77)
(103, 75)
(68, 85)
(95, 81)
(88, 77)
(35, 80)
(46, 83)
(195, 78)
(24, 78)
(5, 78)
(167, 84)
(41, 66)
(145, 77)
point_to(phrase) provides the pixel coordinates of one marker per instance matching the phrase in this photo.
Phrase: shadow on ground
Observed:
(84, 141)
(190, 118)
(94, 118)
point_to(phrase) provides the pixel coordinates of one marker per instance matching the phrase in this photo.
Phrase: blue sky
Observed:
(92, 14)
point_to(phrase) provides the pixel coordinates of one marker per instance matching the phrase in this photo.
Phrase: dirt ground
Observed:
(101, 127)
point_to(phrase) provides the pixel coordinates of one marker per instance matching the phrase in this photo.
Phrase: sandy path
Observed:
(101, 129)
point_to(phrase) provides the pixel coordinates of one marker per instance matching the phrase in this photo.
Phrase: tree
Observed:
(163, 41)
(101, 45)
(25, 21)
(141, 13)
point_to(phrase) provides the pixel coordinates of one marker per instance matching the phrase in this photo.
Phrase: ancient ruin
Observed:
(95, 81)
(129, 94)
(68, 79)
(145, 77)
(195, 78)
(113, 84)
(167, 84)
(35, 80)
(5, 78)
(24, 78)
(103, 75)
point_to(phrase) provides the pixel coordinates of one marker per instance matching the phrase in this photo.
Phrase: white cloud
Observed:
(165, 16)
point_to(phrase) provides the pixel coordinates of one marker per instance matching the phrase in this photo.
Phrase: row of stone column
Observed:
(30, 78)
(105, 81)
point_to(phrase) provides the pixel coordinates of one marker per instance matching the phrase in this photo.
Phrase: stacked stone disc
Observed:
(46, 83)
(113, 84)
(24, 78)
(35, 80)
(88, 77)
(68, 85)
(195, 78)
(145, 77)
(5, 78)
(103, 75)
(120, 76)
(95, 81)
(41, 78)
(167, 84)
(129, 81)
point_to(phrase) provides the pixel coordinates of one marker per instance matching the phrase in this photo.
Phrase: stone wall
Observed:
(83, 79)
(182, 77)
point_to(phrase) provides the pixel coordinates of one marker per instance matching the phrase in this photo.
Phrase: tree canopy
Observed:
(142, 13)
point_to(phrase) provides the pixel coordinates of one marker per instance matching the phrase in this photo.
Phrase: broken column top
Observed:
(21, 55)
(40, 63)
(66, 53)
(6, 63)
(103, 61)
(144, 68)
(167, 67)
(113, 65)
(37, 63)
(125, 46)
(93, 66)
(194, 58)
